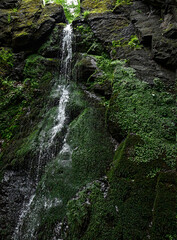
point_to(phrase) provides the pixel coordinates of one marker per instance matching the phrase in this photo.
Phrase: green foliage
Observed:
(88, 42)
(67, 9)
(86, 14)
(133, 43)
(6, 57)
(147, 111)
(32, 68)
(15, 10)
(164, 215)
(9, 18)
(16, 96)
(118, 43)
(139, 108)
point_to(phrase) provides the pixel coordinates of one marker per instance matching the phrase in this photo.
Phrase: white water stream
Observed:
(45, 143)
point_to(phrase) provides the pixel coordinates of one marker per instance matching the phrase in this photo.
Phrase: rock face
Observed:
(155, 30)
(130, 202)
(119, 129)
(27, 25)
(24, 27)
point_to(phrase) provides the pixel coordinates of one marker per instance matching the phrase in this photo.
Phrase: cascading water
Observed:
(47, 138)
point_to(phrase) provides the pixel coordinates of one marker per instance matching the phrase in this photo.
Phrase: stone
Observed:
(85, 69)
(108, 26)
(29, 25)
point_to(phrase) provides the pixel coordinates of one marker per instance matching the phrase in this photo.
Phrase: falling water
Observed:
(61, 88)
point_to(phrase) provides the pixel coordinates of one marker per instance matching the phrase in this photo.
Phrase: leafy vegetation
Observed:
(133, 43)
(87, 40)
(6, 58)
(139, 108)
(16, 96)
(71, 11)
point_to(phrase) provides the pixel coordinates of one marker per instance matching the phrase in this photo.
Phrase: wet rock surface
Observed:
(15, 188)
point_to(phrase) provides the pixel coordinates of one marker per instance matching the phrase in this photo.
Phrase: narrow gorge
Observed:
(88, 120)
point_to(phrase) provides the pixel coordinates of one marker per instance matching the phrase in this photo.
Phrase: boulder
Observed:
(28, 26)
(85, 68)
(98, 6)
(108, 26)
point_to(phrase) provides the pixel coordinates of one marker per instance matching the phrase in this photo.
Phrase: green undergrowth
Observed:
(6, 58)
(20, 104)
(147, 111)
(137, 107)
(128, 204)
(133, 43)
(87, 42)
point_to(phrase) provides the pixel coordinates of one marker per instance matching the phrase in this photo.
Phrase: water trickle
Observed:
(47, 141)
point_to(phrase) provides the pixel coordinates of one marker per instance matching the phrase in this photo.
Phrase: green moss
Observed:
(90, 215)
(91, 154)
(146, 111)
(98, 6)
(123, 2)
(165, 207)
(91, 145)
(20, 34)
(121, 206)
(136, 107)
(15, 101)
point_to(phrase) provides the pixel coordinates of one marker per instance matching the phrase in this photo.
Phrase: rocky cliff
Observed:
(120, 125)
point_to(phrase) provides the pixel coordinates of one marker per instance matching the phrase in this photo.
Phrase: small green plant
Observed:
(134, 42)
(9, 18)
(6, 57)
(154, 172)
(119, 43)
(15, 10)
(86, 14)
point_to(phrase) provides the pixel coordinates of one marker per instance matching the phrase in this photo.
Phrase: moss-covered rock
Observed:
(125, 205)
(164, 221)
(89, 146)
(97, 6)
(29, 24)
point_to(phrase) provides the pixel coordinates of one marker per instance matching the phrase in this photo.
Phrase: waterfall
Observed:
(47, 141)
